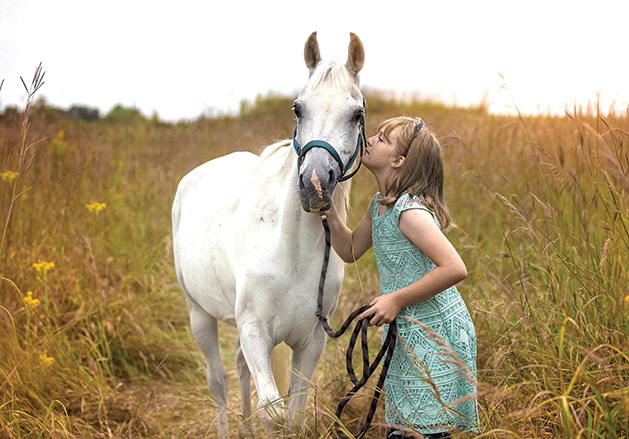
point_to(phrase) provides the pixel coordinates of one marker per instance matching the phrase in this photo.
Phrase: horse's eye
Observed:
(297, 111)
(358, 116)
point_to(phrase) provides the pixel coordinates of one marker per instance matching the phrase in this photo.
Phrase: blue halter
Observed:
(362, 139)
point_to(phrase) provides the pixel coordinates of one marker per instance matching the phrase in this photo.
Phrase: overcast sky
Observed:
(184, 58)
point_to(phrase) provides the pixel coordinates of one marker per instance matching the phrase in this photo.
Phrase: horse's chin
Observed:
(316, 205)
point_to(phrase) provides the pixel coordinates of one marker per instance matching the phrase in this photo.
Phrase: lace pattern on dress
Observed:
(426, 387)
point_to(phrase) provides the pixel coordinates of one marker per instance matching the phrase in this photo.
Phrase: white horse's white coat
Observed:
(247, 253)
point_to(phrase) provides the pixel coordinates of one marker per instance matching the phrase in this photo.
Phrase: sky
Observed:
(181, 59)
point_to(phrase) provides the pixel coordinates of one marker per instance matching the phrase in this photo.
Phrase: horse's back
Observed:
(224, 176)
(208, 188)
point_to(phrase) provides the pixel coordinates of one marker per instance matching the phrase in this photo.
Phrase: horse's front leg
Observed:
(256, 345)
(305, 359)
(246, 428)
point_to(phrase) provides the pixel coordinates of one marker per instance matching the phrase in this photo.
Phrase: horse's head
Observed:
(330, 120)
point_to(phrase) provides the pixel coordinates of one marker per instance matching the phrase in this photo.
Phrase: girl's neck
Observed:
(381, 178)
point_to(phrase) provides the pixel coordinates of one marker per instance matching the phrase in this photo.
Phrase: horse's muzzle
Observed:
(317, 180)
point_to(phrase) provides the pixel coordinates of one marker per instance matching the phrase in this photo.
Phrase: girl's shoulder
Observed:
(374, 206)
(409, 201)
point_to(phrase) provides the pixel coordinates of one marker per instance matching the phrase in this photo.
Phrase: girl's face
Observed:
(380, 154)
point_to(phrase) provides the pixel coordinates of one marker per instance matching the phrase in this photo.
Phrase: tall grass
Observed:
(546, 240)
(101, 347)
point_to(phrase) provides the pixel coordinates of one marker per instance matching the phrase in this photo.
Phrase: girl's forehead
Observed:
(389, 132)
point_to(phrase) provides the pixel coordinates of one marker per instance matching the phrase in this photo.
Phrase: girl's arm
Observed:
(342, 237)
(419, 226)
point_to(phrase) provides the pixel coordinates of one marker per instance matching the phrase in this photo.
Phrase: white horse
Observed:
(248, 249)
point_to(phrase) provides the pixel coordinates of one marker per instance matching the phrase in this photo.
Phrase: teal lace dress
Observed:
(431, 382)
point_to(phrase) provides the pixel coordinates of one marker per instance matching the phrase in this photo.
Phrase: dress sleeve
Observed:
(406, 202)
(374, 207)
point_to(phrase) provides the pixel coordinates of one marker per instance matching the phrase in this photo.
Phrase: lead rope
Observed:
(361, 326)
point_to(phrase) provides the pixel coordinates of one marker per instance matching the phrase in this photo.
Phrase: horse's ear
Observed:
(311, 52)
(356, 54)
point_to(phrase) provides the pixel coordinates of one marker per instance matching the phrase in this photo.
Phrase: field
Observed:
(94, 336)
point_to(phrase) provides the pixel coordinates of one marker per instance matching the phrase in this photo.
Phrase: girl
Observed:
(430, 386)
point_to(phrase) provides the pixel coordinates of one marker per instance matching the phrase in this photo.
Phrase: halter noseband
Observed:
(362, 138)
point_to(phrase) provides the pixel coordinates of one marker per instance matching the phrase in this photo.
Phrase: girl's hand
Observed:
(383, 310)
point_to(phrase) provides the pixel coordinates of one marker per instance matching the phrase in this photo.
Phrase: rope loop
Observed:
(361, 326)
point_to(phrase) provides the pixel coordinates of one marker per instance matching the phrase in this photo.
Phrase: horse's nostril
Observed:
(302, 186)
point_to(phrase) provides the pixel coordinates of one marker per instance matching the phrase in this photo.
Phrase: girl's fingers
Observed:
(377, 320)
(365, 314)
(376, 317)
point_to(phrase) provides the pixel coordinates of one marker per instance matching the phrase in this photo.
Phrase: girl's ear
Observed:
(398, 162)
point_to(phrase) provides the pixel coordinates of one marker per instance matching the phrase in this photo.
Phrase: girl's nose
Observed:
(370, 141)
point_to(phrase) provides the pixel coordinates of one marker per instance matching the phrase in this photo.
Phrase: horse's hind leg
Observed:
(205, 332)
(246, 429)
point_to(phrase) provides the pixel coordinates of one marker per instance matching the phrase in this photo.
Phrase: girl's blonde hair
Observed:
(421, 173)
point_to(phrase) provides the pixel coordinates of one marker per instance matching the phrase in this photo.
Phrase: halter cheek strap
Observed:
(360, 144)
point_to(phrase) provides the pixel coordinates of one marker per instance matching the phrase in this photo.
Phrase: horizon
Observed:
(584, 107)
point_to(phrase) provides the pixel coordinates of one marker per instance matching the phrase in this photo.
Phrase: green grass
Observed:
(540, 205)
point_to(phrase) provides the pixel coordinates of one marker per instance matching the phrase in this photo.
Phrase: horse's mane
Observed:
(271, 149)
(335, 73)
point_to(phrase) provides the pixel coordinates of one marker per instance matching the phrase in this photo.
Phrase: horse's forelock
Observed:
(335, 74)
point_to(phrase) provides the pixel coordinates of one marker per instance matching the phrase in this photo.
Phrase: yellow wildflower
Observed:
(30, 302)
(95, 207)
(59, 146)
(627, 298)
(46, 359)
(9, 176)
(43, 267)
